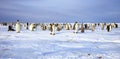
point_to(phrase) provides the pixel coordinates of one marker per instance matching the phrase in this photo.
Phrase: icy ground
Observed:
(99, 44)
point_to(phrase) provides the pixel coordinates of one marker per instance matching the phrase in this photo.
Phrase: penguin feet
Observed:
(75, 32)
(52, 33)
(18, 32)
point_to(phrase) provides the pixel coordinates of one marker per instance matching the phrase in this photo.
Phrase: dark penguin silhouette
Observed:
(108, 28)
(98, 24)
(52, 29)
(27, 25)
(82, 28)
(86, 26)
(10, 28)
(116, 25)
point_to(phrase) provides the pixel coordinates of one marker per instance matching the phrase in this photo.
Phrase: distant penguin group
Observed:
(67, 26)
(108, 26)
(43, 27)
(52, 27)
(32, 27)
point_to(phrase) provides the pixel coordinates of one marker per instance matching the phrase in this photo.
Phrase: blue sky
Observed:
(60, 10)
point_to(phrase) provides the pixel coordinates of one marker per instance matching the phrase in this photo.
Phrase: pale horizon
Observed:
(60, 11)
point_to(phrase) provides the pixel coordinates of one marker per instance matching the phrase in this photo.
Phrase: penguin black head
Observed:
(76, 22)
(17, 20)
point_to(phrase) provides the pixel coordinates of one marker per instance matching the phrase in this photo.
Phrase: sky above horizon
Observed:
(60, 10)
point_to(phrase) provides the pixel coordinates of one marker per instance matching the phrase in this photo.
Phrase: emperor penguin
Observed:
(76, 27)
(27, 25)
(82, 28)
(102, 26)
(116, 25)
(52, 29)
(86, 26)
(18, 27)
(31, 28)
(93, 27)
(49, 27)
(43, 27)
(108, 28)
(58, 27)
(113, 25)
(67, 26)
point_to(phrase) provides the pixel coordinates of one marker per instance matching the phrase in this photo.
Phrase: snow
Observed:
(39, 44)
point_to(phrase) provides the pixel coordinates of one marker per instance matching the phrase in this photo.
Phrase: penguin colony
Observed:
(52, 27)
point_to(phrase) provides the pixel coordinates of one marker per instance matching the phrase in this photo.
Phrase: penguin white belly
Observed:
(53, 27)
(17, 28)
(76, 28)
(66, 27)
(110, 27)
(31, 27)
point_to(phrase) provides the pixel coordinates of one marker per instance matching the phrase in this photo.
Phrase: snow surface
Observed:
(39, 44)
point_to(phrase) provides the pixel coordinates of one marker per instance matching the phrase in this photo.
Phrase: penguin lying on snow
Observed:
(10, 28)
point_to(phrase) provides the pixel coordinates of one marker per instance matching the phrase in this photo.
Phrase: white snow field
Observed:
(39, 44)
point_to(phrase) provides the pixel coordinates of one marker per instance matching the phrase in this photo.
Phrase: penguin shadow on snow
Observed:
(59, 33)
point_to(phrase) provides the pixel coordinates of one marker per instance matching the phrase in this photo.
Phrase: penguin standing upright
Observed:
(59, 27)
(31, 28)
(76, 27)
(82, 28)
(43, 27)
(67, 26)
(93, 27)
(27, 25)
(49, 27)
(116, 25)
(52, 29)
(18, 27)
(102, 26)
(108, 28)
(86, 26)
